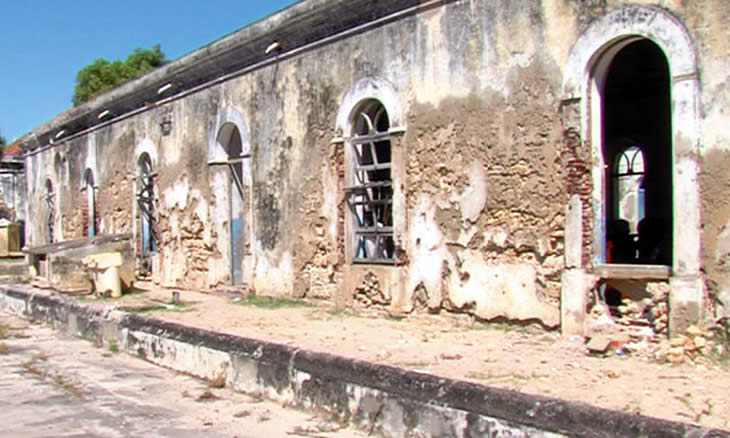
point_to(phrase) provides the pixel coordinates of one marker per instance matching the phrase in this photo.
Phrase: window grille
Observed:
(370, 197)
(50, 203)
(145, 201)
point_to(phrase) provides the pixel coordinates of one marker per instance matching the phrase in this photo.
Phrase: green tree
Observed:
(3, 143)
(102, 75)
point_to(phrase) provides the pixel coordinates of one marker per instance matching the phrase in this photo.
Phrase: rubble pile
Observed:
(651, 313)
(641, 328)
(369, 293)
(695, 344)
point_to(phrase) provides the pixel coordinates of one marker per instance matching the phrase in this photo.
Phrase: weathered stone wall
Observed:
(483, 168)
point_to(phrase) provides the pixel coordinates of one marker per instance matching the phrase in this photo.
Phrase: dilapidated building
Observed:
(509, 159)
(12, 184)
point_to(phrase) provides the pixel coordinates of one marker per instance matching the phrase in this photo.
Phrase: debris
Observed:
(242, 414)
(693, 346)
(445, 356)
(599, 344)
(314, 431)
(693, 330)
(207, 396)
(611, 374)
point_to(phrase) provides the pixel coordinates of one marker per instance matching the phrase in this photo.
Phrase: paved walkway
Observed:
(525, 359)
(53, 385)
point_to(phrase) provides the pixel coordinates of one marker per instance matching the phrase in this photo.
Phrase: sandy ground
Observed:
(530, 360)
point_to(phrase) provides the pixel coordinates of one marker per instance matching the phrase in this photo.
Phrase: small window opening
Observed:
(370, 195)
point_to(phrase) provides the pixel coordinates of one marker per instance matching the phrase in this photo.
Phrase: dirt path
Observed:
(523, 359)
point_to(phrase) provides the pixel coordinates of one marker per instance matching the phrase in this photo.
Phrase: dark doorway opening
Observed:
(637, 150)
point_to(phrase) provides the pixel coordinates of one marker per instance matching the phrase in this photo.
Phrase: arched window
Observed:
(229, 138)
(145, 202)
(370, 191)
(90, 213)
(51, 204)
(628, 184)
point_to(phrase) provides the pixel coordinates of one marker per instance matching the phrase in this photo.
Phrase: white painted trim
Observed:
(584, 76)
(217, 156)
(146, 145)
(228, 114)
(370, 88)
(651, 22)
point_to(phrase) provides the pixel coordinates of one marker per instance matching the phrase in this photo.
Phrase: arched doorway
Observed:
(147, 238)
(637, 150)
(594, 61)
(229, 137)
(59, 166)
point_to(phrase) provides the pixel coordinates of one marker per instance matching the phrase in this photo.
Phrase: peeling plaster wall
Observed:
(482, 172)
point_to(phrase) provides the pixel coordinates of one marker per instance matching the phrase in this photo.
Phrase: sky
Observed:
(44, 43)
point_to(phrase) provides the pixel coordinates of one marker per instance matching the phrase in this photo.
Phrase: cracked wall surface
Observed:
(489, 153)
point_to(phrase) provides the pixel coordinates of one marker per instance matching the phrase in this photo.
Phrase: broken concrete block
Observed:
(599, 344)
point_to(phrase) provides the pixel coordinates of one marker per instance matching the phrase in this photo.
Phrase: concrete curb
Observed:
(393, 401)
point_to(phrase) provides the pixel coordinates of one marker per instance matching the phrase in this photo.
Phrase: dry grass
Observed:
(32, 366)
(3, 348)
(207, 396)
(218, 381)
(67, 385)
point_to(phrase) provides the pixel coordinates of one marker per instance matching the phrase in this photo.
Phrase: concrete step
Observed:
(13, 267)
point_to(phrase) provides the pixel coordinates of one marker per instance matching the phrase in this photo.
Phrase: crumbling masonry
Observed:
(441, 156)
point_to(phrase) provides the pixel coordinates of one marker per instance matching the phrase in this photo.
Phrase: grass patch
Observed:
(112, 345)
(126, 292)
(132, 291)
(329, 314)
(720, 334)
(497, 377)
(415, 364)
(181, 306)
(4, 331)
(271, 303)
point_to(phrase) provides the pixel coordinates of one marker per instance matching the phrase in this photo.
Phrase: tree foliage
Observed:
(3, 143)
(102, 75)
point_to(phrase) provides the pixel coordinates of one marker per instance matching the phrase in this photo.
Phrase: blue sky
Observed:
(43, 43)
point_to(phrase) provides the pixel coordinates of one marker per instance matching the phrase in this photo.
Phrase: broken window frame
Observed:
(145, 202)
(91, 224)
(234, 173)
(51, 204)
(370, 197)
